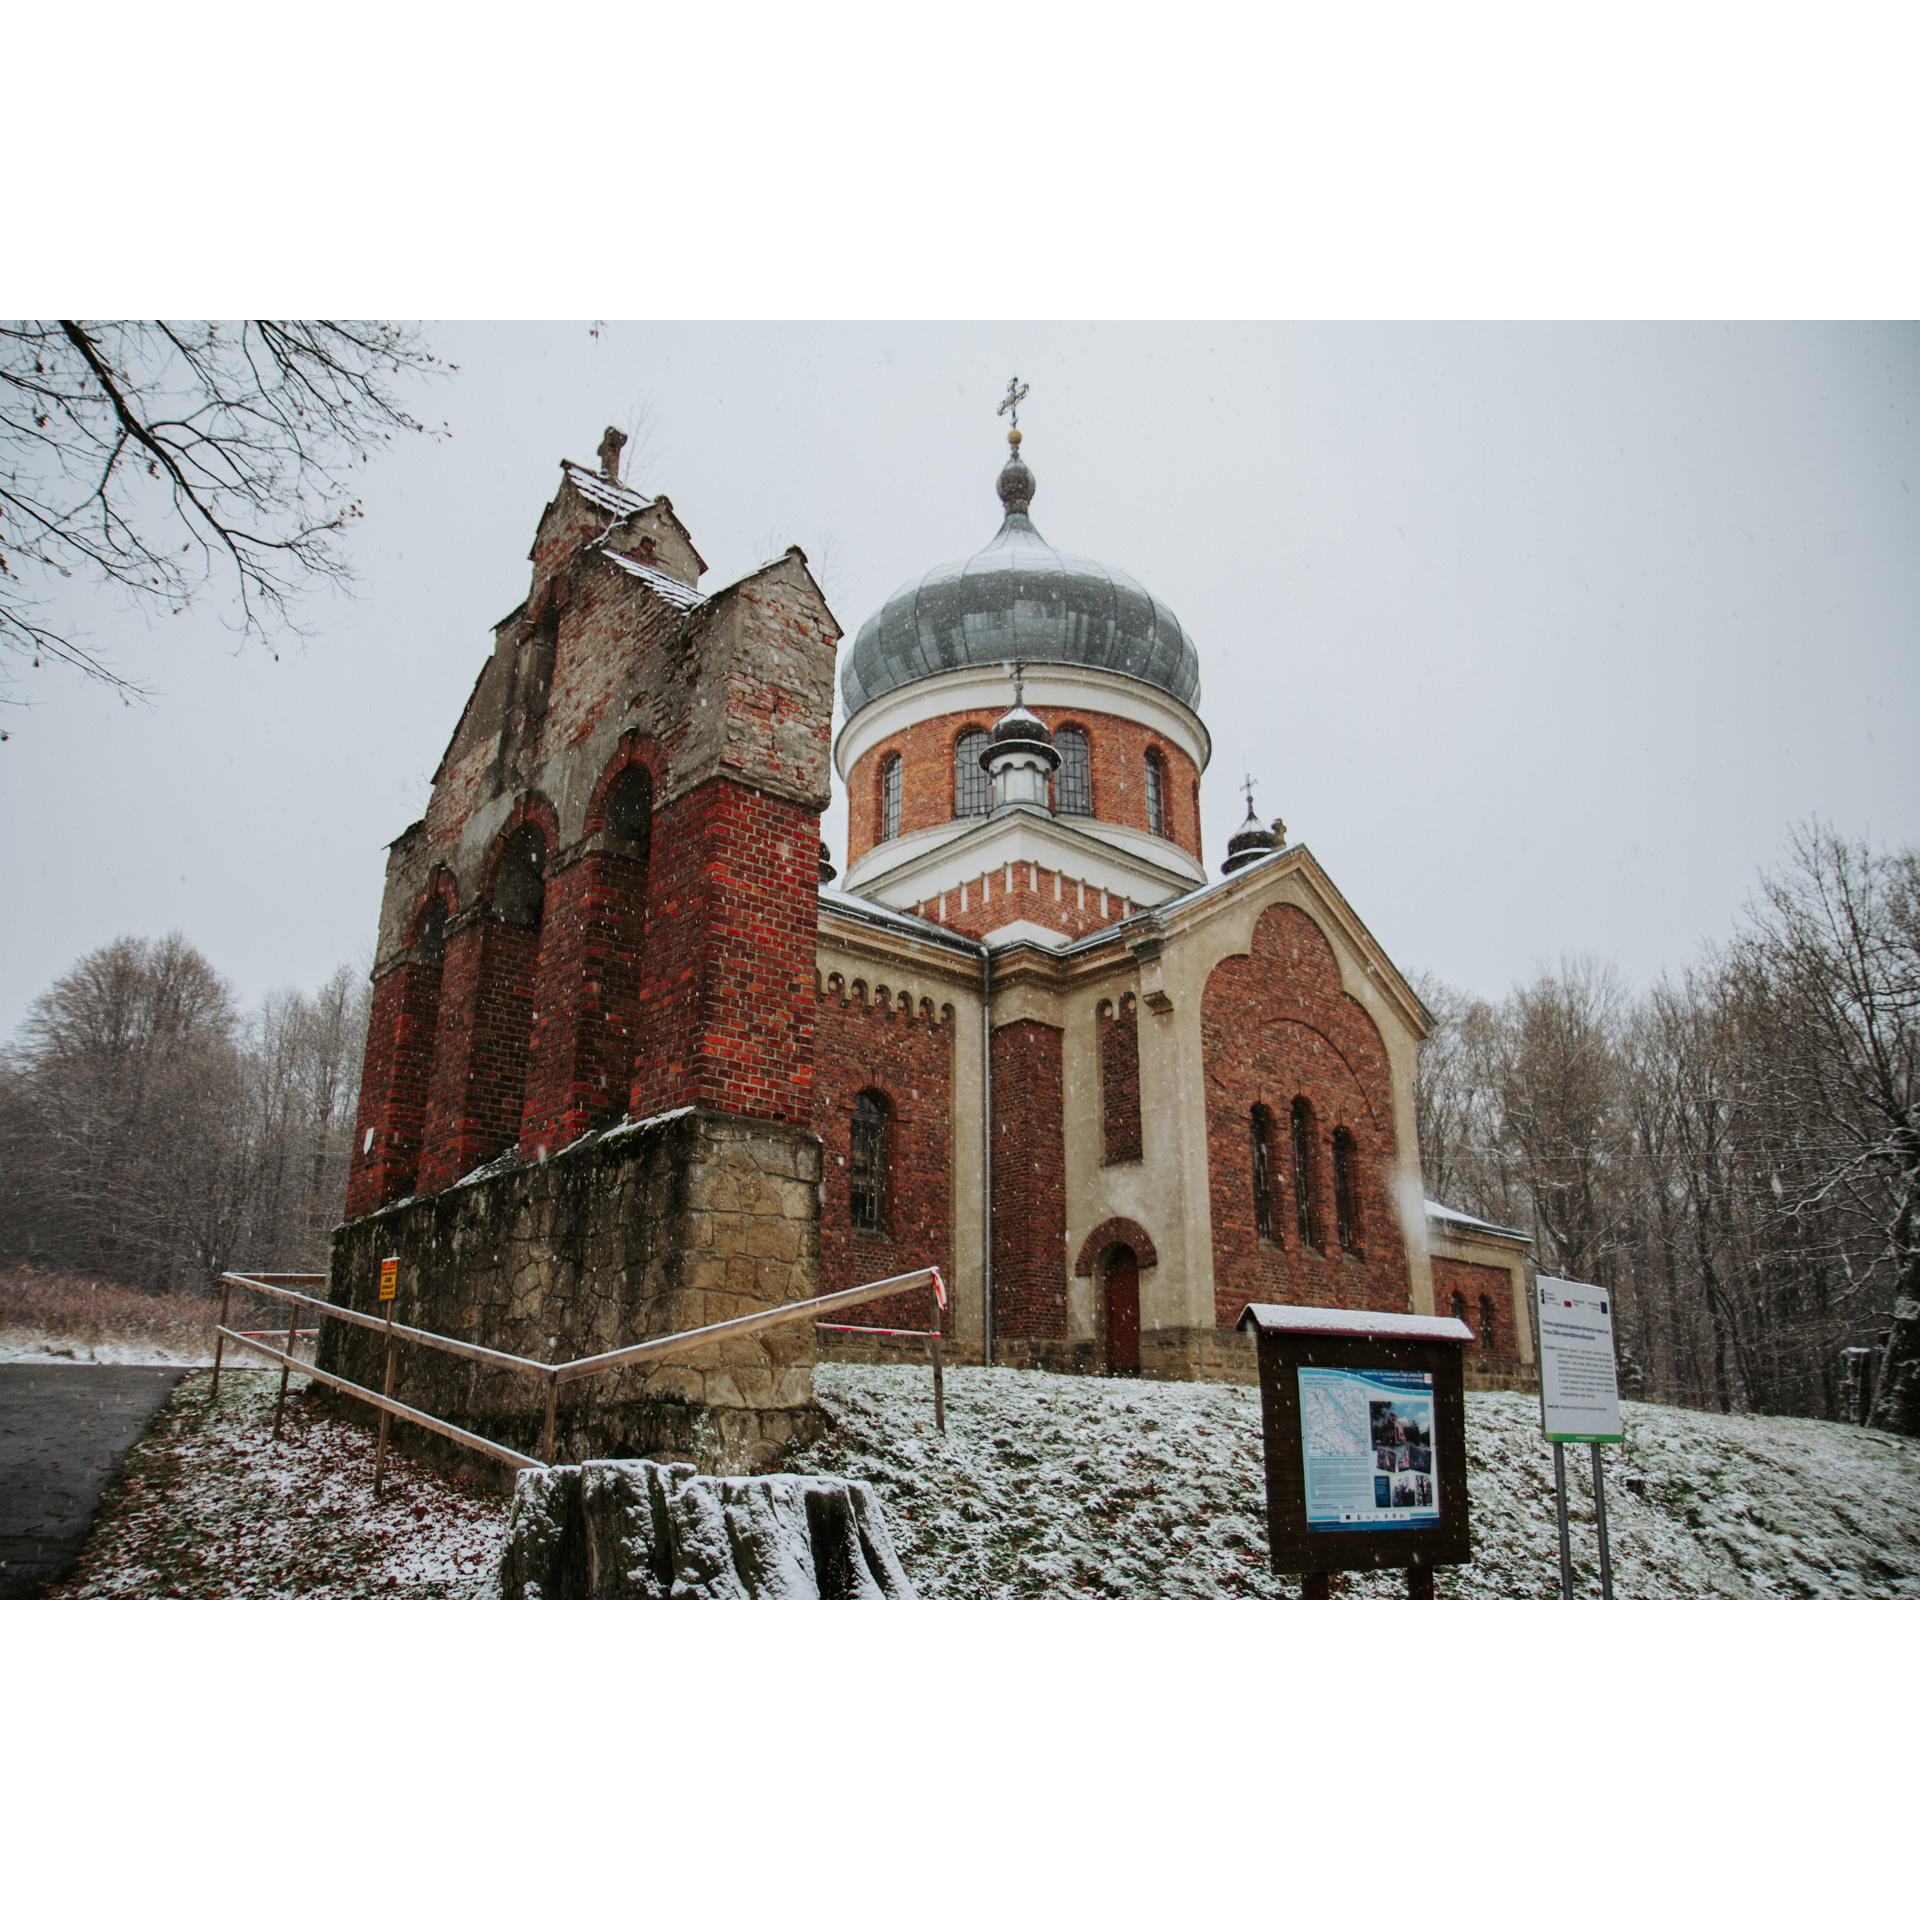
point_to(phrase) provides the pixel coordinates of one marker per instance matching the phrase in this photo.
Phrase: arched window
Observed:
(1156, 795)
(1073, 784)
(1460, 1306)
(1262, 1142)
(430, 936)
(520, 880)
(1303, 1173)
(867, 1163)
(629, 813)
(1346, 1191)
(1489, 1324)
(972, 790)
(890, 797)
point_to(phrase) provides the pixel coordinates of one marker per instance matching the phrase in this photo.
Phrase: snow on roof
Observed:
(676, 592)
(1339, 1323)
(1451, 1216)
(857, 908)
(609, 495)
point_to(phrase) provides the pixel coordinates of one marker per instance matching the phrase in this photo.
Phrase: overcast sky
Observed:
(1540, 637)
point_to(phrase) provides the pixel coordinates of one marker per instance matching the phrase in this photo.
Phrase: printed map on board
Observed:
(1335, 1420)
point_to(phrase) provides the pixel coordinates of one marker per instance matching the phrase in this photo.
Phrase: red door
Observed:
(1123, 1312)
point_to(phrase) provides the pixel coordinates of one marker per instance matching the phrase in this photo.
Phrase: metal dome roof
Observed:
(1019, 598)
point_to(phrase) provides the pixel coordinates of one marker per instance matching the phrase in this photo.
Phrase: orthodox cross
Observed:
(1246, 787)
(1011, 404)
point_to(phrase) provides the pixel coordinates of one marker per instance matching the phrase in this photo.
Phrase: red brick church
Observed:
(1114, 1099)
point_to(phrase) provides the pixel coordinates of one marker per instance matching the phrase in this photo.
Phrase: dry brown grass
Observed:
(68, 1306)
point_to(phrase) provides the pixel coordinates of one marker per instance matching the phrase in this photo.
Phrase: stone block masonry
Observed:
(625, 1236)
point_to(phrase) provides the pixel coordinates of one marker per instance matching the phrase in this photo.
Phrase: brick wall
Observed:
(479, 1079)
(1025, 890)
(727, 993)
(1117, 750)
(1476, 1282)
(1119, 1080)
(904, 1053)
(1029, 1184)
(586, 1000)
(1275, 1026)
(401, 1024)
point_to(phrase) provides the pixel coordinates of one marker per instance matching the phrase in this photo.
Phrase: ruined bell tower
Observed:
(583, 1113)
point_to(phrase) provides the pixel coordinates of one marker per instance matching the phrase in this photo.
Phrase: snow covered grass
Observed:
(1044, 1486)
(65, 1317)
(207, 1507)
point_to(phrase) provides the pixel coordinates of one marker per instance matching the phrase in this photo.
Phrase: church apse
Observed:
(1300, 1104)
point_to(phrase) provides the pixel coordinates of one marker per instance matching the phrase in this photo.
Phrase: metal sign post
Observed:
(1579, 1401)
(389, 1287)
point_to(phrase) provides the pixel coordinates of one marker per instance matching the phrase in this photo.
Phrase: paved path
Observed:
(63, 1433)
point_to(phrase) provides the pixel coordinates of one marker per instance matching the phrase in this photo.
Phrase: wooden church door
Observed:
(1123, 1311)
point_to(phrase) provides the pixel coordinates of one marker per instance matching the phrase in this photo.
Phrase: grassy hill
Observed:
(1043, 1486)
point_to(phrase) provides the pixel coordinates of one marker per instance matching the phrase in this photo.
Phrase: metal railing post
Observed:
(939, 1379)
(386, 1391)
(280, 1405)
(220, 1338)
(553, 1402)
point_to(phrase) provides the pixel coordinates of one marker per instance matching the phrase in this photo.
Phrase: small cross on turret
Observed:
(1011, 404)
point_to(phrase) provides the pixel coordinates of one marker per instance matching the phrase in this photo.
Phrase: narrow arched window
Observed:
(1303, 1173)
(1346, 1191)
(972, 790)
(1489, 1324)
(629, 814)
(1460, 1306)
(890, 797)
(1073, 784)
(867, 1163)
(1156, 796)
(520, 879)
(1262, 1145)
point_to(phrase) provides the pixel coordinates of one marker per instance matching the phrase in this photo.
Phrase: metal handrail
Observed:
(747, 1326)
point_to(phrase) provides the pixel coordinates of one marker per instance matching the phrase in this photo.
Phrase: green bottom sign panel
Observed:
(1368, 1444)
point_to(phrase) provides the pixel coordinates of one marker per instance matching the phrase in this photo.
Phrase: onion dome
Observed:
(1252, 842)
(1019, 598)
(826, 865)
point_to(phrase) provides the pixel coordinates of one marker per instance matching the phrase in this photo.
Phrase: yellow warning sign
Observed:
(389, 1276)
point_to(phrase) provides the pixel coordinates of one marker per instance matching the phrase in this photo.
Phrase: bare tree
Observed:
(155, 456)
(1828, 972)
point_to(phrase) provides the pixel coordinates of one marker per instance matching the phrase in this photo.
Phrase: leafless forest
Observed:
(151, 1133)
(1734, 1153)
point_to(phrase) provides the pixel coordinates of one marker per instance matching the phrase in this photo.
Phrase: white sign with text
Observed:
(1579, 1394)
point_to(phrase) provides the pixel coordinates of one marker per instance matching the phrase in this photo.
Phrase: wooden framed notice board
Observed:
(1363, 1418)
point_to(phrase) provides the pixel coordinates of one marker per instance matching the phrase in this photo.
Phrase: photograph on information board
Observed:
(1368, 1444)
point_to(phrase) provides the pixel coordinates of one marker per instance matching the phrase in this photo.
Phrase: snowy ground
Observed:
(1044, 1486)
(207, 1507)
(27, 1344)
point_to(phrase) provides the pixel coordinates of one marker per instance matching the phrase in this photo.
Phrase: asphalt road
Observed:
(63, 1433)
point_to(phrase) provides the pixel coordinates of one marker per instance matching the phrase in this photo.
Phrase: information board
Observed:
(1579, 1395)
(389, 1276)
(1368, 1444)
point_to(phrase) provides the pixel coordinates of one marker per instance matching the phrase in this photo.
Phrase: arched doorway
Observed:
(1122, 1286)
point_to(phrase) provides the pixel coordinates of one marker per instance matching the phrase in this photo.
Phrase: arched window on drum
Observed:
(972, 789)
(1073, 784)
